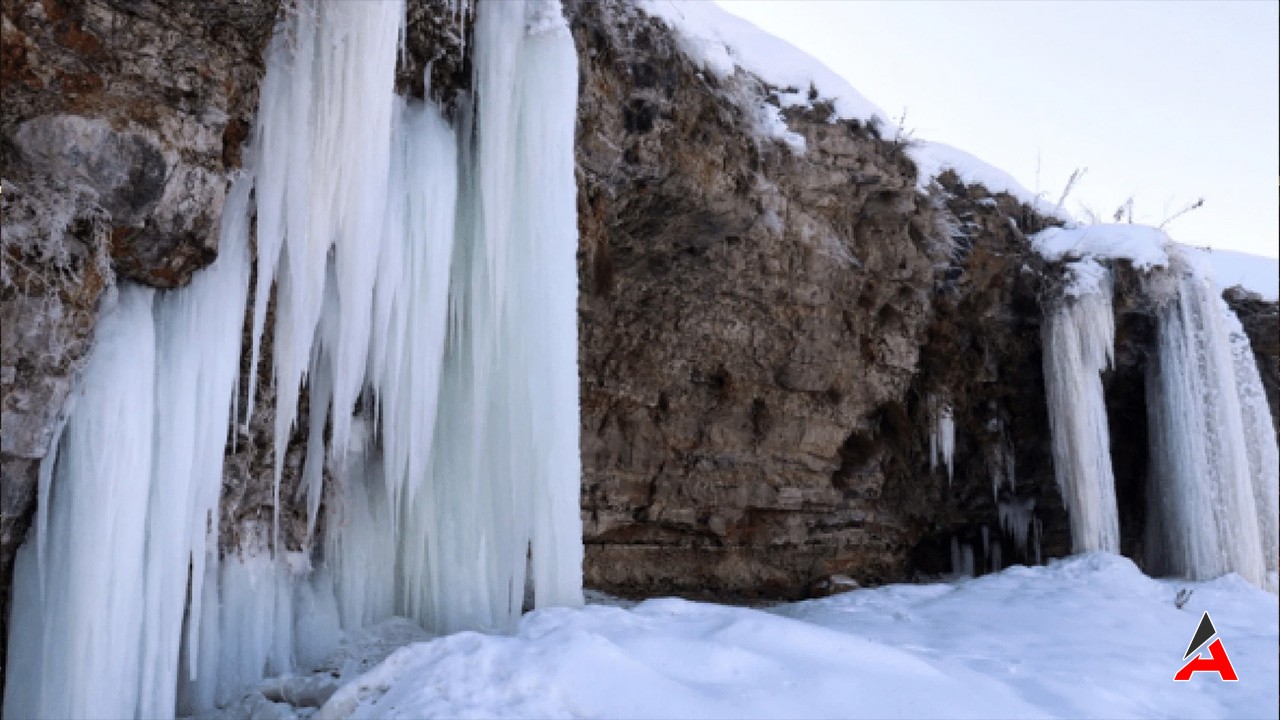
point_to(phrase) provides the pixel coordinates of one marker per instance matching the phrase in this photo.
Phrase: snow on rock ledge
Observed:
(721, 42)
(1148, 247)
(1141, 245)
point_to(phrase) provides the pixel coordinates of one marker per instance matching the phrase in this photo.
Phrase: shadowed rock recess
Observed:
(766, 335)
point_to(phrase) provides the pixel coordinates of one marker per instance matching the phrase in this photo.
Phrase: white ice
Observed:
(1078, 338)
(1210, 502)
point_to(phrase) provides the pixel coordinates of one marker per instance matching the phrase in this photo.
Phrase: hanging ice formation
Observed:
(424, 274)
(942, 434)
(1212, 506)
(129, 500)
(1078, 341)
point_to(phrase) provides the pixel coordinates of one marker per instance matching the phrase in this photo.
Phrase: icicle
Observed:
(86, 660)
(198, 333)
(1079, 335)
(942, 434)
(549, 219)
(1203, 514)
(1016, 519)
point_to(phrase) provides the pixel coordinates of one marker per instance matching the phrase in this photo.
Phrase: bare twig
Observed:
(1071, 183)
(1193, 206)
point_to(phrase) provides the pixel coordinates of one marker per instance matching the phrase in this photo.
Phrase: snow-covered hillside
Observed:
(1089, 636)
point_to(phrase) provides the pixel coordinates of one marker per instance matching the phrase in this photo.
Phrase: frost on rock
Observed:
(1212, 507)
(1079, 338)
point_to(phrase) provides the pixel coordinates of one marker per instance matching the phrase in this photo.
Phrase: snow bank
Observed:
(1252, 272)
(1086, 636)
(934, 158)
(720, 42)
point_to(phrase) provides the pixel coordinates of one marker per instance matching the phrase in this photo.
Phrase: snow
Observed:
(1148, 247)
(934, 158)
(1142, 245)
(1089, 636)
(721, 42)
(1254, 273)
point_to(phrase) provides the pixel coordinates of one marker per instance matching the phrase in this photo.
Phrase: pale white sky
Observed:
(1163, 101)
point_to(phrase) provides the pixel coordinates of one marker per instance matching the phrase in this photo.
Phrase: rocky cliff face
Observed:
(767, 335)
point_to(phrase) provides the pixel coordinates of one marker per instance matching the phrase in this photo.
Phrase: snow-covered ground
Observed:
(1088, 636)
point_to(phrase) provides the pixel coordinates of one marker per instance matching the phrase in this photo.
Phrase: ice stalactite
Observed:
(1078, 339)
(138, 474)
(1017, 520)
(1211, 506)
(942, 434)
(460, 469)
(76, 653)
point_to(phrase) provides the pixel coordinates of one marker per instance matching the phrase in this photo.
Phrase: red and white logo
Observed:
(1216, 662)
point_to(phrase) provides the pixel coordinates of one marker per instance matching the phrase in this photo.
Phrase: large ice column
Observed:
(548, 214)
(1079, 336)
(456, 319)
(1209, 449)
(942, 434)
(504, 475)
(322, 153)
(137, 480)
(198, 331)
(77, 653)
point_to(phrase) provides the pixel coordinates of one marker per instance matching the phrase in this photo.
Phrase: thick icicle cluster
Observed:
(1212, 503)
(129, 501)
(1079, 338)
(425, 287)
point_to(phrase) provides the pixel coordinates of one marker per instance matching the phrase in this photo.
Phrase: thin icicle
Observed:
(942, 434)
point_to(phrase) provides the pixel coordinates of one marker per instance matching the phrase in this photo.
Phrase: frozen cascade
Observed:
(465, 309)
(1213, 509)
(99, 600)
(1078, 339)
(421, 269)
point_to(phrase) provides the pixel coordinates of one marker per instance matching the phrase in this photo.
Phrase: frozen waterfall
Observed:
(425, 288)
(1078, 341)
(1212, 501)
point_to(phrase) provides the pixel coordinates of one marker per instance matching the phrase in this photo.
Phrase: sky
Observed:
(1165, 102)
